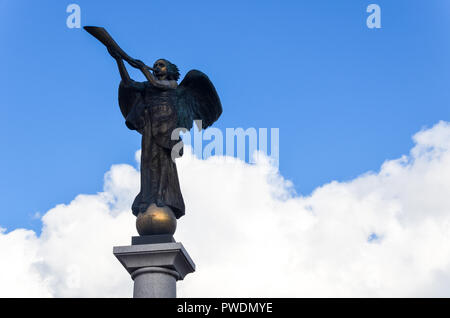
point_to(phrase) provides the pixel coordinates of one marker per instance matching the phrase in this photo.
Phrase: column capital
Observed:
(171, 256)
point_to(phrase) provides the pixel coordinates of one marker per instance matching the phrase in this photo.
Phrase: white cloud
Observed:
(381, 234)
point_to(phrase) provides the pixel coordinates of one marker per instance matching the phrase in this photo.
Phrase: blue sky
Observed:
(344, 97)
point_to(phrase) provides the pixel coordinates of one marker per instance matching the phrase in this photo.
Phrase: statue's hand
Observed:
(114, 54)
(137, 64)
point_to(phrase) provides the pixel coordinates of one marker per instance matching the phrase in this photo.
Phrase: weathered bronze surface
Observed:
(155, 108)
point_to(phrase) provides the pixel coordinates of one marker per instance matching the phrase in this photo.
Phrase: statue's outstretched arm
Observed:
(165, 84)
(122, 69)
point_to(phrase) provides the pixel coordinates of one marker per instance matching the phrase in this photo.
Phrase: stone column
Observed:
(155, 268)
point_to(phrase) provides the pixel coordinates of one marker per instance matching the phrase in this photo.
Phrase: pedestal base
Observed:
(155, 268)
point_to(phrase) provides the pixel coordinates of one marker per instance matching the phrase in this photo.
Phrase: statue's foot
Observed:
(156, 221)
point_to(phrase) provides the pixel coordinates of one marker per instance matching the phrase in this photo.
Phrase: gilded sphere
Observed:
(156, 221)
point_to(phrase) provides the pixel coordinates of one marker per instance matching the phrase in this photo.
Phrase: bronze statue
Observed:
(155, 108)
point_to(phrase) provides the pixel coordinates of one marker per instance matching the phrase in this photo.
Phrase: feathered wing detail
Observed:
(130, 98)
(197, 99)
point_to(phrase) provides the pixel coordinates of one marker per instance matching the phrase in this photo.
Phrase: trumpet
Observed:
(106, 39)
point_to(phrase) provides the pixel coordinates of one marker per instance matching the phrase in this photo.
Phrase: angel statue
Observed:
(155, 108)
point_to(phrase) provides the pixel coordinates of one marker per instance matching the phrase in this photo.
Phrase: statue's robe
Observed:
(151, 111)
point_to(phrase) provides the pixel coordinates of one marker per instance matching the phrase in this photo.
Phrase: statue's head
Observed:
(164, 70)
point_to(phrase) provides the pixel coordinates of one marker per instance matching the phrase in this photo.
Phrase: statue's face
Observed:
(160, 69)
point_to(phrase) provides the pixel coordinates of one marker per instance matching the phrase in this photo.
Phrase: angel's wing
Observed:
(130, 96)
(197, 99)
